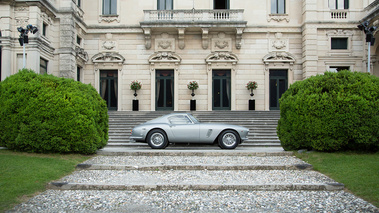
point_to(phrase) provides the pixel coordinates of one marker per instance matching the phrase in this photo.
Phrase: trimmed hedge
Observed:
(331, 112)
(47, 114)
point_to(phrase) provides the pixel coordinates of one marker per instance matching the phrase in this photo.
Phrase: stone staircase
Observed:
(262, 125)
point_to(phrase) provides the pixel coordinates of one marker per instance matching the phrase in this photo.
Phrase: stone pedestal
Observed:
(251, 104)
(135, 105)
(193, 105)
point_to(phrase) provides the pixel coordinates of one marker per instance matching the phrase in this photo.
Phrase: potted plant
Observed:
(135, 85)
(192, 85)
(252, 85)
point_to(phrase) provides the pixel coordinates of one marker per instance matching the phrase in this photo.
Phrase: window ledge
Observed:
(278, 17)
(109, 18)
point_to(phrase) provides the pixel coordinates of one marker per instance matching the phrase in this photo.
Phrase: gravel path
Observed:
(195, 201)
(269, 198)
(194, 160)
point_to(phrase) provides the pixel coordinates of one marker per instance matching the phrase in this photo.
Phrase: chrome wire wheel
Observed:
(228, 139)
(157, 139)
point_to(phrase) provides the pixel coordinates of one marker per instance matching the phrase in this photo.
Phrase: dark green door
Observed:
(221, 89)
(164, 90)
(278, 85)
(108, 88)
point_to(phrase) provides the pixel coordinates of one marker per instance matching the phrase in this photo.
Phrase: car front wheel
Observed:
(228, 139)
(157, 139)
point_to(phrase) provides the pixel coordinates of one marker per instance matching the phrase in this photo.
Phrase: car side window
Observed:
(179, 119)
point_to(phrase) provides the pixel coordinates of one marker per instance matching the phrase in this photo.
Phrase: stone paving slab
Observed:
(195, 201)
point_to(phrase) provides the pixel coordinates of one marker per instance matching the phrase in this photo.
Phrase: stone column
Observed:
(67, 59)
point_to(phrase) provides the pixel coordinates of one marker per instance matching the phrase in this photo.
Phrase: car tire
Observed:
(228, 139)
(157, 139)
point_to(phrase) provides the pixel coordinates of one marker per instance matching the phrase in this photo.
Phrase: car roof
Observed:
(163, 119)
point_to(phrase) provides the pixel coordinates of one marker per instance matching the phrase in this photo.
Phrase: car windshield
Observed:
(194, 119)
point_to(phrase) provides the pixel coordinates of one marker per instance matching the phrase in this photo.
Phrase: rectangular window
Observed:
(339, 4)
(338, 68)
(44, 29)
(78, 73)
(339, 43)
(109, 7)
(278, 6)
(43, 66)
(79, 3)
(78, 40)
(165, 5)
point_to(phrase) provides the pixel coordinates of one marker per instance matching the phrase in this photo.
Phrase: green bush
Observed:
(47, 114)
(330, 112)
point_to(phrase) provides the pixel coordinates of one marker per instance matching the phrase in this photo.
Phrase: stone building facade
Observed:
(165, 44)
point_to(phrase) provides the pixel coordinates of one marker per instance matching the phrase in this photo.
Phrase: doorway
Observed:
(109, 88)
(164, 92)
(221, 4)
(278, 85)
(221, 89)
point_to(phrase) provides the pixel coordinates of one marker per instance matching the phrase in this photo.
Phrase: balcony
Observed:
(195, 18)
(224, 20)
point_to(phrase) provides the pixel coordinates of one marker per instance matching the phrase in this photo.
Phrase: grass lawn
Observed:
(22, 175)
(359, 172)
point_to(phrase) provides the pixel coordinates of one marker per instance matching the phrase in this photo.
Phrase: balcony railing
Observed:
(338, 14)
(186, 16)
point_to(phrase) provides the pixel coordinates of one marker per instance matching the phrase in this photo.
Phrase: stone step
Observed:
(273, 180)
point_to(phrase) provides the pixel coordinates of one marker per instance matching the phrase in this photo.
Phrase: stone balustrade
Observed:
(185, 16)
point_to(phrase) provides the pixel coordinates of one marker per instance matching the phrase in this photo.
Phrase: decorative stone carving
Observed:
(221, 43)
(205, 38)
(108, 58)
(339, 32)
(279, 44)
(109, 45)
(278, 18)
(165, 57)
(165, 44)
(181, 32)
(278, 57)
(221, 57)
(81, 54)
(239, 32)
(109, 19)
(147, 32)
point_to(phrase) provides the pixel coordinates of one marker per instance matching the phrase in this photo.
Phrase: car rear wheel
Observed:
(228, 139)
(157, 139)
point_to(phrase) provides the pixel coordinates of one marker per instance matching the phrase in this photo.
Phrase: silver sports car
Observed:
(184, 128)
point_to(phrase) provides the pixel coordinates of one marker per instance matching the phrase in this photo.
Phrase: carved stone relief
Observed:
(81, 54)
(164, 44)
(278, 58)
(279, 44)
(221, 43)
(108, 58)
(278, 18)
(165, 57)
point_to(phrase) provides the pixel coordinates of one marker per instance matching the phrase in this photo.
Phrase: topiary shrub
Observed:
(47, 114)
(330, 112)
